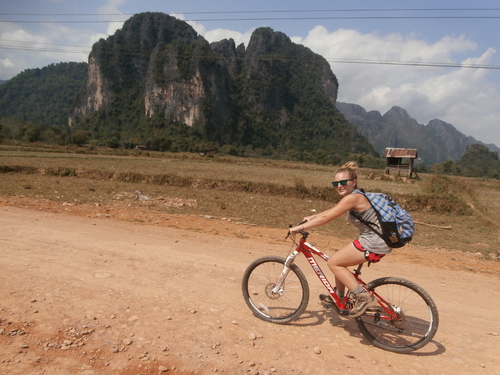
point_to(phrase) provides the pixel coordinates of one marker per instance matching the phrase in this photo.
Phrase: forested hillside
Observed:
(159, 83)
(43, 96)
(156, 82)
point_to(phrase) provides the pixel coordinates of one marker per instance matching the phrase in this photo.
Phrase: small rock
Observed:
(162, 369)
(349, 355)
(317, 350)
(252, 336)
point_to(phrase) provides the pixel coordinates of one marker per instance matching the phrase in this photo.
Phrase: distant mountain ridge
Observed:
(438, 141)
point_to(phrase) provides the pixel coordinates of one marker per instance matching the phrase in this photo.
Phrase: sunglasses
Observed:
(341, 182)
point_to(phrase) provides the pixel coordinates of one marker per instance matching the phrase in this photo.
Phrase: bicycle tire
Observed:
(418, 316)
(258, 280)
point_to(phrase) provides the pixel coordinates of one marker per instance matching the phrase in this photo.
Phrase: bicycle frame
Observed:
(342, 305)
(403, 318)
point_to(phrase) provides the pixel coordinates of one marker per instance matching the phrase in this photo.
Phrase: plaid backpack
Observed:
(397, 224)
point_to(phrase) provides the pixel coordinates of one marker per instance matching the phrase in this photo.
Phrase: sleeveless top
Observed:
(370, 240)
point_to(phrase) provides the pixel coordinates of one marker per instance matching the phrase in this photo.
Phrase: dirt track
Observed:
(89, 295)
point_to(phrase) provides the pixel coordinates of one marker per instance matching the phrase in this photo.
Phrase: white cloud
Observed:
(112, 8)
(460, 96)
(216, 35)
(219, 34)
(6, 63)
(113, 27)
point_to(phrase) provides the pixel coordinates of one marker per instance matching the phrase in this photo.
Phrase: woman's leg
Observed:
(346, 257)
(338, 263)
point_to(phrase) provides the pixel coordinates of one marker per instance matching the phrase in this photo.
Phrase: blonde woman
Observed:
(369, 247)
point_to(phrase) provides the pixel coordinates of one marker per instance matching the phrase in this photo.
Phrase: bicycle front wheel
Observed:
(281, 306)
(414, 319)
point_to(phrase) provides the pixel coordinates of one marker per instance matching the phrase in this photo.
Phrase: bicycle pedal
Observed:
(344, 311)
(327, 305)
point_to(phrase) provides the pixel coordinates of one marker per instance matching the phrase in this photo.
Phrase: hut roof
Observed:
(410, 153)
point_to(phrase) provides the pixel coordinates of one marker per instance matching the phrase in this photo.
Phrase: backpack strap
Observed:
(369, 224)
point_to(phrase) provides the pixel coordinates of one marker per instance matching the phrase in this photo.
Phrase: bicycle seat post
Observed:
(357, 271)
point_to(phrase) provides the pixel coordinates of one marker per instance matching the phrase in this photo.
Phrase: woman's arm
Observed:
(352, 201)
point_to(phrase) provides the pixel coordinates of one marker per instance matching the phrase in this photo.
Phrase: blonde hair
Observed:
(349, 167)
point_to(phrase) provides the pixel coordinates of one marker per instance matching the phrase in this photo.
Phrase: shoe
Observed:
(362, 302)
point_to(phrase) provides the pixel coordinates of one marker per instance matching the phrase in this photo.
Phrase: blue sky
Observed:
(435, 59)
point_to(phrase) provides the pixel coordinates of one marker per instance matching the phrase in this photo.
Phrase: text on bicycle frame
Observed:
(320, 274)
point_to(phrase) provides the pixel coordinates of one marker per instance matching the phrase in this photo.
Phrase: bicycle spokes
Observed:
(405, 324)
(275, 292)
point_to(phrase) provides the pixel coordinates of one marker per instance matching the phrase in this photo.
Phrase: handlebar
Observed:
(302, 232)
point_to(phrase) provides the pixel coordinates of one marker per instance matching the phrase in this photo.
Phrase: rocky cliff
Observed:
(154, 59)
(157, 72)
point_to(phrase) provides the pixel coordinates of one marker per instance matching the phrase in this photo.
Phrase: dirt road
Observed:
(88, 295)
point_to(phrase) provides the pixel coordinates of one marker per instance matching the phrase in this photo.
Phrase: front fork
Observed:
(278, 287)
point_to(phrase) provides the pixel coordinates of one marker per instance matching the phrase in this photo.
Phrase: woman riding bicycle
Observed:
(369, 247)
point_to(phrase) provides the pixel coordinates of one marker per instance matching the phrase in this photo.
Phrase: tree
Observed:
(80, 137)
(32, 134)
(479, 161)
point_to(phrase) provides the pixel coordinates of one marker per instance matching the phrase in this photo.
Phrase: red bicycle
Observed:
(405, 319)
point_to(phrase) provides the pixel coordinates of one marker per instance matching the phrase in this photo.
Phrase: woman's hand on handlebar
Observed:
(298, 228)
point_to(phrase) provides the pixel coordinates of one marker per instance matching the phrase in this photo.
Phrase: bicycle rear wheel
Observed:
(417, 316)
(282, 307)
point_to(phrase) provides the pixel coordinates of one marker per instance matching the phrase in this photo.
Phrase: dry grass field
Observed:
(451, 213)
